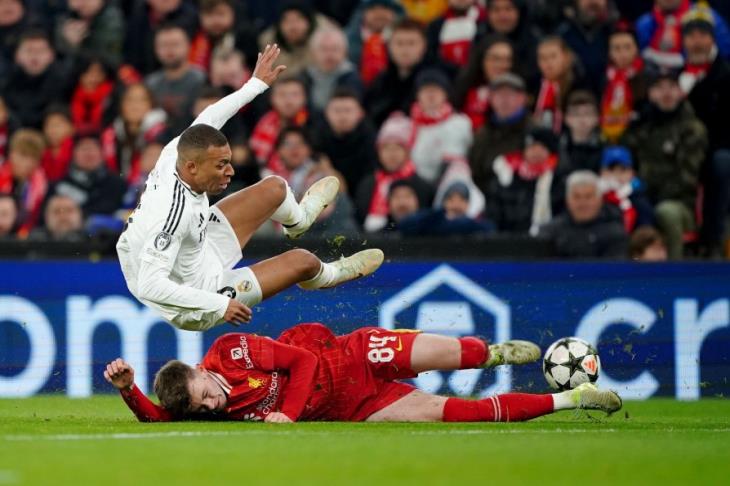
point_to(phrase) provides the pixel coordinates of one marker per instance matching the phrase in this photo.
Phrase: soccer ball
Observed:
(569, 362)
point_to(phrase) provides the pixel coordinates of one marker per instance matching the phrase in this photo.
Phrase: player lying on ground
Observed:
(308, 373)
(177, 253)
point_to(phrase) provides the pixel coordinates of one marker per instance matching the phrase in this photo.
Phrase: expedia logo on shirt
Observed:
(162, 241)
(245, 354)
(268, 403)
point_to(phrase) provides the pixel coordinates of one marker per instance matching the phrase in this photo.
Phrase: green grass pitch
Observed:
(53, 440)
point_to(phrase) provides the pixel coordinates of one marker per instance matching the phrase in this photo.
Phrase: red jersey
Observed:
(308, 373)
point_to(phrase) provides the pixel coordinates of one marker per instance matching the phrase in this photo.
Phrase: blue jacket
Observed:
(646, 26)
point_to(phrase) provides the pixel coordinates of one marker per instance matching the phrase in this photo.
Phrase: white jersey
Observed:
(165, 257)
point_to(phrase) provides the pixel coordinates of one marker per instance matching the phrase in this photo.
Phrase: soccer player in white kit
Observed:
(177, 253)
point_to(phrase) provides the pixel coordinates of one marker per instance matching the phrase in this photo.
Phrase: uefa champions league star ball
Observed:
(570, 361)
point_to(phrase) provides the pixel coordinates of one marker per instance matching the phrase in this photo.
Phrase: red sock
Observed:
(474, 352)
(510, 407)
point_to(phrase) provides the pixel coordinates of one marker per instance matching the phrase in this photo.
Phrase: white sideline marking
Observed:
(174, 434)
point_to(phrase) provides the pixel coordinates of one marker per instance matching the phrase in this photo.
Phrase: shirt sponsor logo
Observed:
(236, 353)
(162, 241)
(246, 355)
(267, 404)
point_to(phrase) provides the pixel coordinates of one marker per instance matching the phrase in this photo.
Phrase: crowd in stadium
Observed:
(596, 124)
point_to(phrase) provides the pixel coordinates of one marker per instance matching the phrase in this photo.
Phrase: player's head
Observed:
(184, 390)
(204, 158)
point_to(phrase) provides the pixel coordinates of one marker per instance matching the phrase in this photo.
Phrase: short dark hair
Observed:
(345, 92)
(409, 25)
(208, 92)
(292, 130)
(35, 33)
(207, 6)
(642, 238)
(171, 387)
(171, 26)
(198, 138)
(581, 97)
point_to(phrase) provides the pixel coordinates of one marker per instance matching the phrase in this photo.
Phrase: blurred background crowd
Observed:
(593, 124)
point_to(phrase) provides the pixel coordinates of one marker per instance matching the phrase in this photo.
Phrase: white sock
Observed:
(563, 400)
(326, 277)
(289, 213)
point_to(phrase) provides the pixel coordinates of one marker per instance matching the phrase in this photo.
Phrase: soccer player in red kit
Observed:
(308, 373)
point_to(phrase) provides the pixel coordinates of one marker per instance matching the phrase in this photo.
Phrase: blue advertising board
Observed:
(660, 329)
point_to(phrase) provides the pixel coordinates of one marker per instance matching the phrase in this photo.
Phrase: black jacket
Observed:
(28, 96)
(710, 99)
(389, 92)
(98, 192)
(604, 237)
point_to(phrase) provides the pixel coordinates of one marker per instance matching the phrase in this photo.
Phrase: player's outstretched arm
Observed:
(121, 375)
(264, 74)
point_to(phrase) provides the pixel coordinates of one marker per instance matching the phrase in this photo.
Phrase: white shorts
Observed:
(237, 283)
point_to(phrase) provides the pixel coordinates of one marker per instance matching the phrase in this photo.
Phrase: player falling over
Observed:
(177, 253)
(308, 373)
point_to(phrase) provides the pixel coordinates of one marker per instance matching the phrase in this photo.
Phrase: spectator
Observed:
(559, 77)
(510, 18)
(176, 86)
(329, 69)
(147, 16)
(394, 165)
(448, 220)
(660, 33)
(228, 69)
(138, 124)
(439, 134)
(402, 202)
(451, 36)
(292, 33)
(36, 80)
(706, 79)
(147, 160)
(288, 108)
(89, 182)
(223, 25)
(587, 33)
(8, 216)
(14, 21)
(646, 245)
(300, 169)
(59, 133)
(8, 124)
(393, 90)
(581, 145)
(424, 11)
(588, 229)
(368, 33)
(347, 138)
(95, 27)
(93, 96)
(669, 145)
(520, 194)
(22, 176)
(621, 188)
(490, 59)
(63, 221)
(505, 129)
(625, 89)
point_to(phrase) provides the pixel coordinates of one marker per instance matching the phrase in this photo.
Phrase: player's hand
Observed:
(237, 313)
(278, 418)
(265, 69)
(120, 374)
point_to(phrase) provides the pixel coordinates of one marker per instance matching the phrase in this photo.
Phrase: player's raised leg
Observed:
(418, 406)
(272, 198)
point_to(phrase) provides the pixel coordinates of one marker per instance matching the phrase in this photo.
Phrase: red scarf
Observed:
(624, 204)
(528, 171)
(457, 33)
(56, 160)
(87, 107)
(476, 106)
(200, 51)
(31, 198)
(548, 112)
(264, 135)
(668, 34)
(373, 58)
(618, 99)
(383, 180)
(422, 119)
(109, 148)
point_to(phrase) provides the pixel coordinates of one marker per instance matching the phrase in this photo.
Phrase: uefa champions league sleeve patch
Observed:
(162, 241)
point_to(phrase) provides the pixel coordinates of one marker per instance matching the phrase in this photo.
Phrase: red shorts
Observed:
(373, 358)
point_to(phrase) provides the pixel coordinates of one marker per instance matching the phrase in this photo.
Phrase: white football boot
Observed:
(512, 352)
(361, 264)
(588, 397)
(315, 200)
